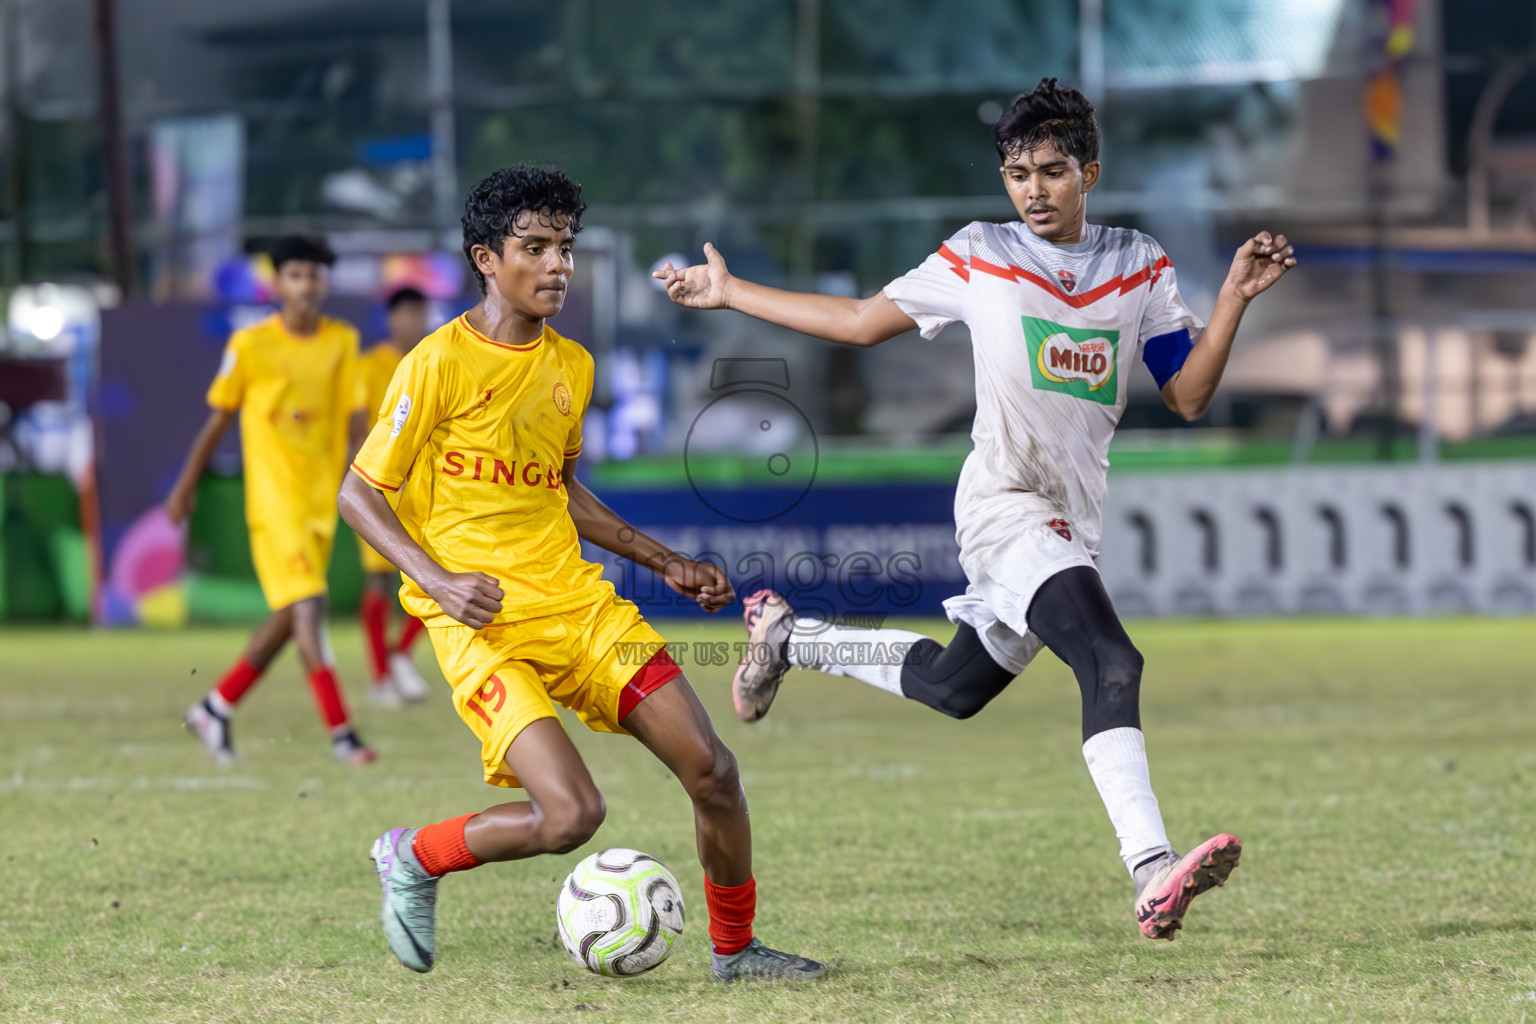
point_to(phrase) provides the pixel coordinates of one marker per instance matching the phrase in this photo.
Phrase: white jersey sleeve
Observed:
(934, 293)
(1168, 327)
(1165, 311)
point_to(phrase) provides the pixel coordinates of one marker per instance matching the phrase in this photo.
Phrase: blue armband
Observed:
(1165, 354)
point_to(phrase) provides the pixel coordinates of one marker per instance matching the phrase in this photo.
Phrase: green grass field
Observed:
(1380, 774)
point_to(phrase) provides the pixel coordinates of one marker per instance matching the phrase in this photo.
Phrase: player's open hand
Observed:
(705, 582)
(702, 286)
(471, 597)
(1261, 262)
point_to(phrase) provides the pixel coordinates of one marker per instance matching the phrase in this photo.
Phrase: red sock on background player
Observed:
(374, 611)
(234, 686)
(333, 709)
(410, 630)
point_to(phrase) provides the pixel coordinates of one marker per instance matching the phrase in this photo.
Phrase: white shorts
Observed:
(997, 606)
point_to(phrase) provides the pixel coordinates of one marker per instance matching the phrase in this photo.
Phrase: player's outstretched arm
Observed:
(1262, 260)
(595, 522)
(472, 598)
(178, 504)
(710, 285)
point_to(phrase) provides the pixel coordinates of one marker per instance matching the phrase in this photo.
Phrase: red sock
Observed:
(731, 909)
(240, 678)
(409, 631)
(322, 683)
(374, 610)
(441, 848)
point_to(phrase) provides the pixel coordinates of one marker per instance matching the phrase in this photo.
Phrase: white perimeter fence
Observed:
(1387, 540)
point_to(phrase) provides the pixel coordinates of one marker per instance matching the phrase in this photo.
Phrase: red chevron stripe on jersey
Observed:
(1120, 284)
(957, 264)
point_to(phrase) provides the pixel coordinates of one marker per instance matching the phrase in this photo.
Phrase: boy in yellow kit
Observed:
(291, 378)
(479, 435)
(395, 677)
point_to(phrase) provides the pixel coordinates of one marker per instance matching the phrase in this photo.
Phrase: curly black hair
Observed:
(1052, 113)
(491, 208)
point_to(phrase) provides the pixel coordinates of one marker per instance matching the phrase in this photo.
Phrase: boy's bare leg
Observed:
(563, 810)
(269, 639)
(208, 719)
(673, 724)
(309, 633)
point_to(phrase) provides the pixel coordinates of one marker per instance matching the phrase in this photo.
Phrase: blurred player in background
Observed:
(1059, 310)
(481, 442)
(291, 378)
(396, 679)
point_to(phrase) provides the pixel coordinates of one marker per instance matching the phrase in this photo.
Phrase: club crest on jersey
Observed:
(1067, 278)
(402, 413)
(1062, 527)
(562, 398)
(1077, 361)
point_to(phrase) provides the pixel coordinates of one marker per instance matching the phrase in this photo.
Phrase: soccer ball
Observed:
(619, 912)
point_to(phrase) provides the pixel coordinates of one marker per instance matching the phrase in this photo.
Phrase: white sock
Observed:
(872, 656)
(220, 706)
(1117, 760)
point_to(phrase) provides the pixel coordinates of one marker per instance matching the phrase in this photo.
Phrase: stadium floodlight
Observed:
(41, 318)
(46, 322)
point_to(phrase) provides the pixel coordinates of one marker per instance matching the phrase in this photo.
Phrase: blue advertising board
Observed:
(852, 553)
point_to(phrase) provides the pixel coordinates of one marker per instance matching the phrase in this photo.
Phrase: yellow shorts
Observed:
(291, 559)
(506, 677)
(373, 562)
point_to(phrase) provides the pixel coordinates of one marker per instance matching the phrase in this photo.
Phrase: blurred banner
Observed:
(197, 176)
(1347, 540)
(1442, 539)
(846, 552)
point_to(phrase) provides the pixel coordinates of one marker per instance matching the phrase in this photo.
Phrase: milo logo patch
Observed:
(1078, 361)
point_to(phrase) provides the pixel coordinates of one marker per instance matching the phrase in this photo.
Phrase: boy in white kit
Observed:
(1058, 311)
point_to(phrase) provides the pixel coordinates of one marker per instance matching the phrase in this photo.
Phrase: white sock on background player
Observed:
(1117, 760)
(872, 656)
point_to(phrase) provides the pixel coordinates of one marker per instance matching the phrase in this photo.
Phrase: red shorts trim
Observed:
(653, 675)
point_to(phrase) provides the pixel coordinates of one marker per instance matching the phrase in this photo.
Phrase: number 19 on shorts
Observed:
(488, 699)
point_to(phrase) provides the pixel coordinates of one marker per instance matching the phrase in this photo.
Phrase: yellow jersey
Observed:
(296, 394)
(375, 367)
(473, 435)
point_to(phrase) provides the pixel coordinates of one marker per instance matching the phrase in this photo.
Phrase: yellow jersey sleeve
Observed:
(414, 404)
(227, 391)
(583, 399)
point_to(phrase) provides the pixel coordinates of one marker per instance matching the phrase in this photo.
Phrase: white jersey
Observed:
(1056, 331)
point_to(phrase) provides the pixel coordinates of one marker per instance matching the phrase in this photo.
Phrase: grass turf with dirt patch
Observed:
(1380, 774)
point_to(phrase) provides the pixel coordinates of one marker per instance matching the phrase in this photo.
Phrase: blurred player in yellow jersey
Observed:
(291, 378)
(479, 436)
(396, 679)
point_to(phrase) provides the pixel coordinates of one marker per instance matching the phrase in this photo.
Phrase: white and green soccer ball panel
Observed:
(619, 912)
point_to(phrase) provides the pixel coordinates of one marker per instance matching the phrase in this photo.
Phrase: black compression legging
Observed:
(1073, 616)
(958, 680)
